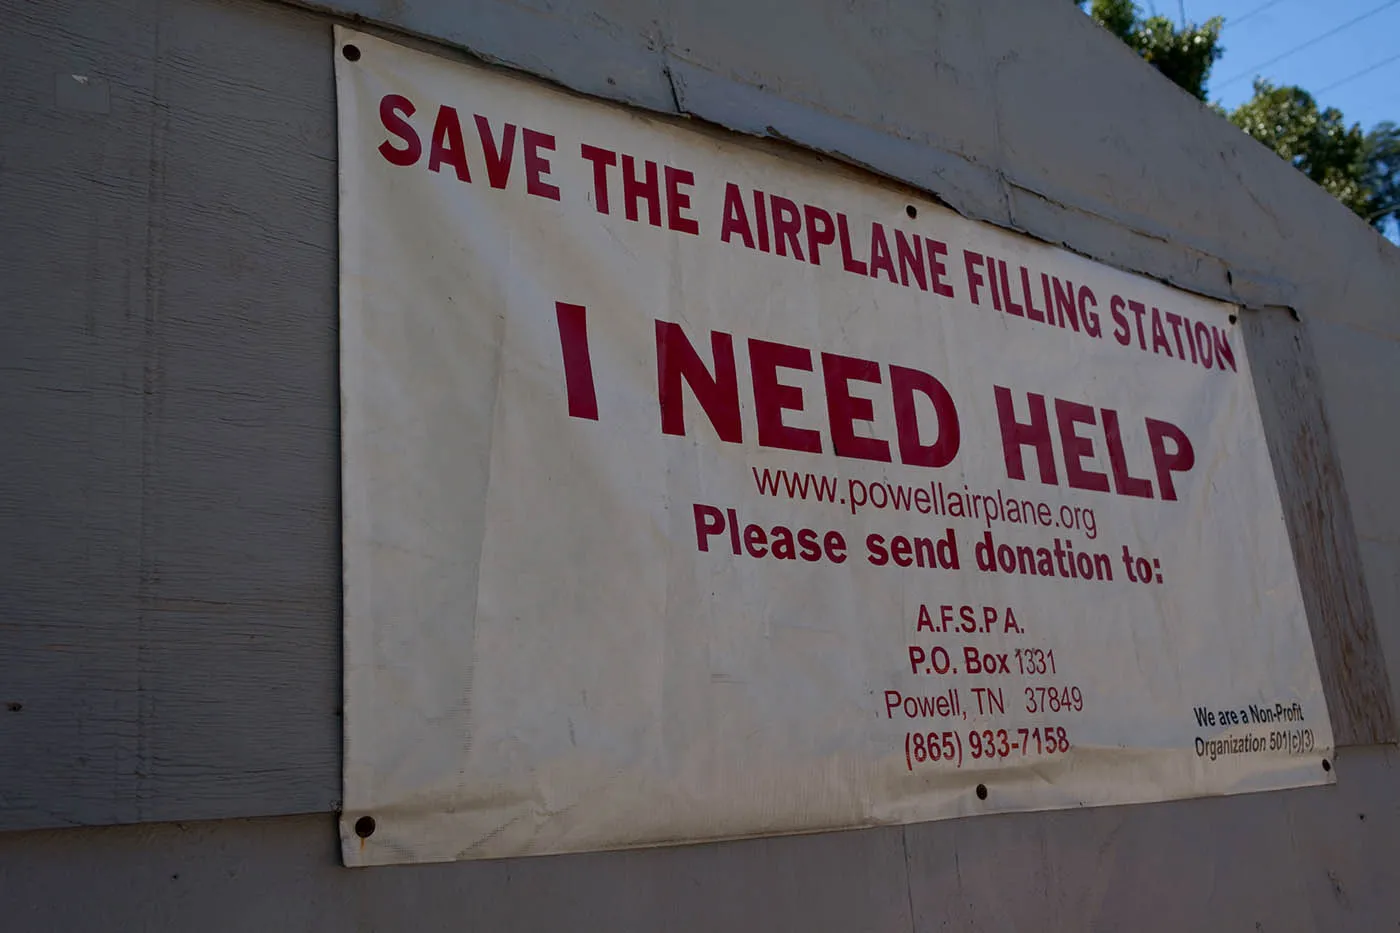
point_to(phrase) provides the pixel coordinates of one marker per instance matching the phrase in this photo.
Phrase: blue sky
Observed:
(1258, 30)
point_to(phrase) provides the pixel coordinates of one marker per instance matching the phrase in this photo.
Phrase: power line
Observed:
(1244, 16)
(1313, 41)
(1354, 75)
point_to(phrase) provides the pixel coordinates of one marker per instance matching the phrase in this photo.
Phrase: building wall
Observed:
(169, 502)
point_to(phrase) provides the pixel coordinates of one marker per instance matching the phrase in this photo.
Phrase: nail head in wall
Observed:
(83, 93)
(351, 52)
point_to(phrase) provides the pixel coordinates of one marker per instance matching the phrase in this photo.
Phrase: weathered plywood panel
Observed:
(74, 212)
(1317, 859)
(1306, 860)
(243, 614)
(169, 614)
(1349, 650)
(1360, 377)
(169, 537)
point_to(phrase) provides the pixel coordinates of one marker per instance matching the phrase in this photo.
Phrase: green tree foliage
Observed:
(1119, 17)
(1362, 170)
(1184, 55)
(1318, 142)
(1383, 172)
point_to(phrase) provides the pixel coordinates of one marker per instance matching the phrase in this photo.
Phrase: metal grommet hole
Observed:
(912, 211)
(981, 791)
(352, 53)
(1326, 765)
(364, 827)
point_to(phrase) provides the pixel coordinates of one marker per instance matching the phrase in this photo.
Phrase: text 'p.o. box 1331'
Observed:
(696, 490)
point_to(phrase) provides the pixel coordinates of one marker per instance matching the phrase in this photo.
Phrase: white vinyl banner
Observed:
(696, 488)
